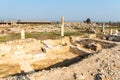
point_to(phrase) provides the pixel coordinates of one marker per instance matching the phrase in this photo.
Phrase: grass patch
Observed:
(40, 35)
(75, 33)
(9, 37)
(50, 35)
(3, 38)
(114, 28)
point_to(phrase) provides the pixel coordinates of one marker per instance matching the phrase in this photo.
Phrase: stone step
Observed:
(26, 67)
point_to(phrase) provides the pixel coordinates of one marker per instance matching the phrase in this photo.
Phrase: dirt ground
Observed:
(69, 60)
(29, 52)
(102, 66)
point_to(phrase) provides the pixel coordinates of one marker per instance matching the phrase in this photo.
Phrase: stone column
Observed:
(103, 26)
(111, 31)
(116, 32)
(23, 34)
(62, 26)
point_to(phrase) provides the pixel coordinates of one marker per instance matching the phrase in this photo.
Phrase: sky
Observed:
(72, 10)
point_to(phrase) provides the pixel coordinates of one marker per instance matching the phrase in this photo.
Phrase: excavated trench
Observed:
(52, 56)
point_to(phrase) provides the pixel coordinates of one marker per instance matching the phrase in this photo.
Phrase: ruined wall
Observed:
(20, 47)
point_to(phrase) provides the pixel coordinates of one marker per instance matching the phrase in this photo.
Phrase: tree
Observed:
(88, 20)
(109, 22)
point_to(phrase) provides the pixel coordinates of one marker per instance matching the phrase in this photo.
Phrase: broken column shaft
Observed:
(116, 32)
(111, 31)
(103, 26)
(62, 26)
(23, 34)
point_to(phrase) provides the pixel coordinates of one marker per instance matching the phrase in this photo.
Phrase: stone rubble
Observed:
(104, 65)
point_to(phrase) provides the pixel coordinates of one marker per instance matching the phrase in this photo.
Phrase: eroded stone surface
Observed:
(61, 62)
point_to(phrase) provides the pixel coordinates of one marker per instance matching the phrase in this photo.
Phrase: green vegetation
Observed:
(9, 37)
(80, 31)
(88, 20)
(3, 38)
(38, 35)
(114, 28)
(50, 35)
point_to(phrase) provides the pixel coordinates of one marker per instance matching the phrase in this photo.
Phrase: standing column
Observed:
(23, 34)
(116, 32)
(111, 31)
(62, 26)
(103, 26)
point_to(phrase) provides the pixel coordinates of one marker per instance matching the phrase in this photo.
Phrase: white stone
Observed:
(40, 55)
(25, 66)
(62, 26)
(111, 31)
(111, 38)
(23, 34)
(116, 32)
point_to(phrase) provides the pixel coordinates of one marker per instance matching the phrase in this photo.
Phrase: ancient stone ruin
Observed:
(32, 55)
(92, 56)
